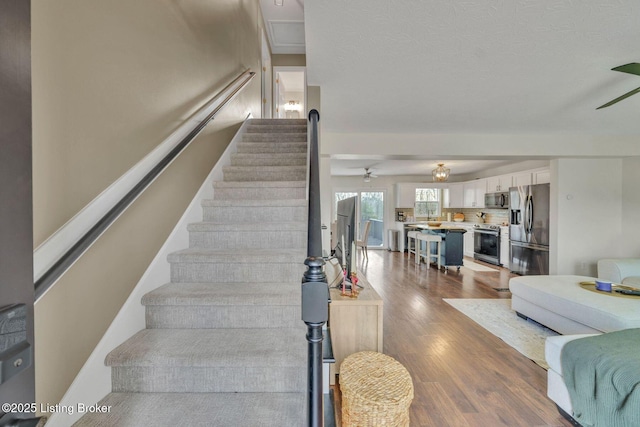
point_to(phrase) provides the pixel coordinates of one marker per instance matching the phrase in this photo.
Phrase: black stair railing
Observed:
(315, 289)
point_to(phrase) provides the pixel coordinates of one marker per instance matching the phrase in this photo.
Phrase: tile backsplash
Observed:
(492, 216)
(407, 212)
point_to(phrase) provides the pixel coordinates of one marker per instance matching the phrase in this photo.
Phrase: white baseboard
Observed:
(93, 382)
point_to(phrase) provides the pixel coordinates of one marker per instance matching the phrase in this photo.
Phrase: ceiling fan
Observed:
(368, 175)
(632, 68)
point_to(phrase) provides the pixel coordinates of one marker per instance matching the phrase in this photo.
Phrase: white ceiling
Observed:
(353, 167)
(293, 81)
(448, 68)
(284, 25)
(474, 66)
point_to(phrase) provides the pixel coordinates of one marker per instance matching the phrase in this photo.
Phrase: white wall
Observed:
(111, 81)
(586, 214)
(506, 169)
(488, 146)
(629, 245)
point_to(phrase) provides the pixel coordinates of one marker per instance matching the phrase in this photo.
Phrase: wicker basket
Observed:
(376, 391)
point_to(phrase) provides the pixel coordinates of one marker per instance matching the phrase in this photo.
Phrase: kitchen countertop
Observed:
(456, 223)
(451, 223)
(442, 226)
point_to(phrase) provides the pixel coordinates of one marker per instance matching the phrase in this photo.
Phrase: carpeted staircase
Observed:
(224, 343)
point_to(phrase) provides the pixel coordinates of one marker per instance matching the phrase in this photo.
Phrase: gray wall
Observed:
(111, 80)
(16, 268)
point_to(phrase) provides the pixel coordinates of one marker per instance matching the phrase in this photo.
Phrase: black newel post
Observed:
(315, 313)
(315, 290)
(314, 241)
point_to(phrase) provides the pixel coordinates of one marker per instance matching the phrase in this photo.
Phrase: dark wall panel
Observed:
(16, 235)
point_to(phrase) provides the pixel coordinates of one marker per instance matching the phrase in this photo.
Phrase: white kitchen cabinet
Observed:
(469, 191)
(454, 196)
(474, 192)
(522, 178)
(504, 247)
(467, 242)
(405, 195)
(542, 176)
(499, 183)
(481, 190)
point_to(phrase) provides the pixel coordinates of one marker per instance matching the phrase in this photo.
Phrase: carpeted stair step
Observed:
(275, 122)
(279, 137)
(282, 159)
(264, 173)
(239, 265)
(211, 360)
(259, 190)
(270, 147)
(199, 409)
(276, 128)
(249, 235)
(224, 343)
(224, 305)
(255, 210)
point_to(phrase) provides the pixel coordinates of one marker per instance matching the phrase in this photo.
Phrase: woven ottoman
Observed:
(376, 391)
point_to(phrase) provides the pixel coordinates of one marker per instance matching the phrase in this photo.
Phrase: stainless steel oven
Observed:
(486, 243)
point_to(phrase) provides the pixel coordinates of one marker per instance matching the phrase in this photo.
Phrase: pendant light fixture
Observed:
(440, 174)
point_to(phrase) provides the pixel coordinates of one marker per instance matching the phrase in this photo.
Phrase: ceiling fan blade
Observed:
(620, 98)
(633, 68)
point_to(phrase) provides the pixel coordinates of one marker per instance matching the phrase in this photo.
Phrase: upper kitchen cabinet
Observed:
(474, 193)
(454, 195)
(522, 178)
(499, 183)
(541, 176)
(405, 195)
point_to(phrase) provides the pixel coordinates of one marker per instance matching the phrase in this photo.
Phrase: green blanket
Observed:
(602, 374)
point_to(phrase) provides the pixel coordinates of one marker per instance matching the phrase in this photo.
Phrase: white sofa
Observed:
(620, 270)
(561, 304)
(625, 271)
(556, 390)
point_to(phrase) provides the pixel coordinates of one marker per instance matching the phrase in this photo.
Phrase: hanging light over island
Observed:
(440, 174)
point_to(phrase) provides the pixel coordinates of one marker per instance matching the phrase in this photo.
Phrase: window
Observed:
(428, 202)
(370, 208)
(341, 195)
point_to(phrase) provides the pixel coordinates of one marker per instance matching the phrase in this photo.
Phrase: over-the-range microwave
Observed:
(496, 200)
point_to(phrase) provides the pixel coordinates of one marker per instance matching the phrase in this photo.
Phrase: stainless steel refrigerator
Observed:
(529, 229)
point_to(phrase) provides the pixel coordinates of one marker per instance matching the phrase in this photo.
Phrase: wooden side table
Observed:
(356, 323)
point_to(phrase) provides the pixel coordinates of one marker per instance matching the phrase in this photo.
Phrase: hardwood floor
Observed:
(462, 374)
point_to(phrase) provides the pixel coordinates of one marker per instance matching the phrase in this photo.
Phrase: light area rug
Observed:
(496, 316)
(477, 267)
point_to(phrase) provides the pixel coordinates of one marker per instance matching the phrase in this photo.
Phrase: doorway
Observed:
(370, 207)
(289, 92)
(266, 78)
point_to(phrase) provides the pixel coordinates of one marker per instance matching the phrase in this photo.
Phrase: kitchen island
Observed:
(452, 246)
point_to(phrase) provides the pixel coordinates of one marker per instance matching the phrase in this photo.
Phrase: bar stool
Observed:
(411, 249)
(428, 238)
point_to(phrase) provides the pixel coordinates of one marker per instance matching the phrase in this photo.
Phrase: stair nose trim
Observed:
(224, 294)
(258, 203)
(231, 227)
(199, 409)
(185, 348)
(260, 184)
